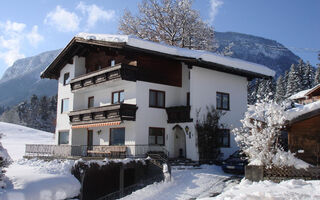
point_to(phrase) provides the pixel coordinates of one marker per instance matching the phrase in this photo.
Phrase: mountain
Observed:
(22, 79)
(258, 50)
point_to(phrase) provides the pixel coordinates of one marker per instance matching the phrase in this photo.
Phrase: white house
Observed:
(117, 90)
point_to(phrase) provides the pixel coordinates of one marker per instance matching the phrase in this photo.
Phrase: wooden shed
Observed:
(304, 136)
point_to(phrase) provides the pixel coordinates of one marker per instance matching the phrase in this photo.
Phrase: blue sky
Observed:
(31, 27)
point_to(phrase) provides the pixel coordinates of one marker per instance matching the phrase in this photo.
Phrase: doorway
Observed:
(179, 142)
(90, 139)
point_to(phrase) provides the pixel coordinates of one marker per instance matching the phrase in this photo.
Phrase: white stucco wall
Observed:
(205, 83)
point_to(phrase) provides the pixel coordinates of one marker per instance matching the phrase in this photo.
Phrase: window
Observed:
(90, 102)
(224, 137)
(188, 98)
(117, 136)
(66, 78)
(157, 99)
(223, 102)
(112, 63)
(64, 105)
(118, 97)
(63, 137)
(156, 136)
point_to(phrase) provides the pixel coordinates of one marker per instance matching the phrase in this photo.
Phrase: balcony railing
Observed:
(65, 151)
(119, 71)
(178, 114)
(110, 113)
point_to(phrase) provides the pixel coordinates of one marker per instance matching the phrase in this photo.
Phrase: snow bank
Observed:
(282, 158)
(302, 109)
(106, 161)
(197, 54)
(15, 137)
(39, 180)
(292, 189)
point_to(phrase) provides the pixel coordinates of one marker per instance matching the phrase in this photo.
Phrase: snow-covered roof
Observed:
(183, 52)
(304, 93)
(301, 110)
(299, 95)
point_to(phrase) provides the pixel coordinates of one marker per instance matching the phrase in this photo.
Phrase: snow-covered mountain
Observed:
(22, 79)
(258, 50)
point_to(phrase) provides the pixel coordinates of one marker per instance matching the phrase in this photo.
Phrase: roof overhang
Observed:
(78, 45)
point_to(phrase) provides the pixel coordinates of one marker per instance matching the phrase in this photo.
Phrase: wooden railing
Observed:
(178, 114)
(110, 113)
(65, 151)
(119, 71)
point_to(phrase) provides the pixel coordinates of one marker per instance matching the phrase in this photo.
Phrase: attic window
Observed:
(66, 78)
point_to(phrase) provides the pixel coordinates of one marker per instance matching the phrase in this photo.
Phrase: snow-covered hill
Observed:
(16, 137)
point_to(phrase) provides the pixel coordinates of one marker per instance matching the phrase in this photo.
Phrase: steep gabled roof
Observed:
(191, 57)
(305, 93)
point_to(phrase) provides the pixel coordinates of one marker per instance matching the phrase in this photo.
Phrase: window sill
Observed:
(157, 107)
(223, 109)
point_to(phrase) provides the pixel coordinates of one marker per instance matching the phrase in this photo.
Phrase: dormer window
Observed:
(66, 78)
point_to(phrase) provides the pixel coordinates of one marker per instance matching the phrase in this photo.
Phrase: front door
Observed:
(179, 143)
(90, 139)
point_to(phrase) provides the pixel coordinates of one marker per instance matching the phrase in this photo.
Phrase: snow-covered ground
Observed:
(186, 184)
(16, 137)
(34, 179)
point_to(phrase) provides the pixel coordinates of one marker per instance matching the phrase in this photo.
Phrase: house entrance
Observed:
(179, 142)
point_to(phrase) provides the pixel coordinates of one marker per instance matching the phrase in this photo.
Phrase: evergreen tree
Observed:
(43, 108)
(294, 81)
(317, 77)
(307, 77)
(280, 90)
(266, 88)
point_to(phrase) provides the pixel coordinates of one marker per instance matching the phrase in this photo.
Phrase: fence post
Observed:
(121, 185)
(254, 173)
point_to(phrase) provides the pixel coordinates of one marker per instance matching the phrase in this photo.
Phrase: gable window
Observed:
(117, 136)
(63, 137)
(156, 136)
(90, 102)
(64, 105)
(224, 137)
(157, 99)
(66, 78)
(118, 97)
(223, 101)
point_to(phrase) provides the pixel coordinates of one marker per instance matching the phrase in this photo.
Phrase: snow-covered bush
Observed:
(259, 136)
(4, 162)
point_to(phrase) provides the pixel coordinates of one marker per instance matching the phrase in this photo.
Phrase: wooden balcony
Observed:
(119, 71)
(110, 113)
(178, 114)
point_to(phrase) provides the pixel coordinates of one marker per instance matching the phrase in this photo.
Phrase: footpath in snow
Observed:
(34, 179)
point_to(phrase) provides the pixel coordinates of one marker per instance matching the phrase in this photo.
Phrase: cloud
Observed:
(95, 14)
(63, 20)
(12, 37)
(214, 6)
(34, 37)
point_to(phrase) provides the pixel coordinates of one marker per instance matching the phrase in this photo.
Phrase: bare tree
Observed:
(173, 22)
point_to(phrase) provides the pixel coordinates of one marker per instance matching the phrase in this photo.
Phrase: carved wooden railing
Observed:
(54, 150)
(178, 114)
(110, 113)
(119, 71)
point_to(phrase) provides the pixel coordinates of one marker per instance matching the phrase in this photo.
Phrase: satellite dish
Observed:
(91, 37)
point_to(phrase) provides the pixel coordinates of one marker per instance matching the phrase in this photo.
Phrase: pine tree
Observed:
(266, 88)
(280, 90)
(317, 77)
(307, 76)
(294, 81)
(173, 22)
(43, 108)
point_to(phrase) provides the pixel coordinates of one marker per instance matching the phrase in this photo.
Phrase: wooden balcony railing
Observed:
(110, 113)
(178, 114)
(119, 71)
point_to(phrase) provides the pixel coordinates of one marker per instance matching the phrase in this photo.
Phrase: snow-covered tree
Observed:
(259, 135)
(317, 77)
(294, 81)
(280, 90)
(4, 162)
(265, 88)
(307, 76)
(173, 22)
